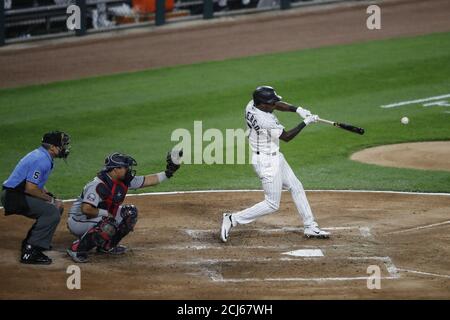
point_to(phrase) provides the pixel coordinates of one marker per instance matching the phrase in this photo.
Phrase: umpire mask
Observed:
(58, 139)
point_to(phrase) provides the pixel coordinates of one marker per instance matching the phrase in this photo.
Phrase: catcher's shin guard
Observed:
(129, 215)
(102, 235)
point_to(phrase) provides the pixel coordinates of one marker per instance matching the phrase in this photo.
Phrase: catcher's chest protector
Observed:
(111, 192)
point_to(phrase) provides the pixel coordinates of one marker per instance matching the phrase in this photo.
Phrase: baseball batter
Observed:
(98, 218)
(270, 164)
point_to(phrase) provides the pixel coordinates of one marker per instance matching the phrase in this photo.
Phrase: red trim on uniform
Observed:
(112, 206)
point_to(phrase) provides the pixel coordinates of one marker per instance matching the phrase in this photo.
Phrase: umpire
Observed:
(24, 193)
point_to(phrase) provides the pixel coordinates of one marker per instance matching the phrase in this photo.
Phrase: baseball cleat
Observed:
(79, 257)
(227, 224)
(115, 251)
(33, 255)
(313, 231)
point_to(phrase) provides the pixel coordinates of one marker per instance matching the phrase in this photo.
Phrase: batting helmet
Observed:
(265, 94)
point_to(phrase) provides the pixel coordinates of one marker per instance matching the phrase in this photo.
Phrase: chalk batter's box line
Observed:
(389, 265)
(222, 247)
(364, 231)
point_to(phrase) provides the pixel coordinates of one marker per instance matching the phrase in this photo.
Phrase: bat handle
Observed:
(327, 121)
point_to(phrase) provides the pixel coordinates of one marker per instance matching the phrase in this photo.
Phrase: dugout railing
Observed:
(49, 21)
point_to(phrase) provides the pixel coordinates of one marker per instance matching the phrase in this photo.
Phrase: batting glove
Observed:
(303, 112)
(311, 119)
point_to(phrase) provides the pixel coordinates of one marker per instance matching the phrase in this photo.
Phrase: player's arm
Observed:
(91, 201)
(291, 134)
(173, 164)
(149, 180)
(152, 180)
(287, 107)
(34, 191)
(89, 210)
(91, 198)
(35, 177)
(48, 192)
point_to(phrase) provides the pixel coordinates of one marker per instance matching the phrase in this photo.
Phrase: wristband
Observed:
(293, 108)
(161, 176)
(102, 213)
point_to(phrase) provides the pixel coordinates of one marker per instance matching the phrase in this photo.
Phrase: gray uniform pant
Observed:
(47, 217)
(79, 226)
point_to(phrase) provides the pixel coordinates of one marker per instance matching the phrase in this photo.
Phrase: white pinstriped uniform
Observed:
(272, 168)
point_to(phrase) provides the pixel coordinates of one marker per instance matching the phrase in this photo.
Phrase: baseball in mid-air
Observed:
(405, 120)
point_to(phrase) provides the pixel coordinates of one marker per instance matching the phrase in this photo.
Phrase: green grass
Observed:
(136, 113)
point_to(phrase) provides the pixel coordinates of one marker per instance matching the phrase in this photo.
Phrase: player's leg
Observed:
(39, 237)
(295, 187)
(270, 204)
(104, 234)
(100, 235)
(270, 175)
(79, 227)
(126, 220)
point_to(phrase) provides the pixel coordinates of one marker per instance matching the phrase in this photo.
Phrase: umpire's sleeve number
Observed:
(36, 175)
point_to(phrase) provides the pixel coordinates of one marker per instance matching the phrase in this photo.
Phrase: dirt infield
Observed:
(433, 155)
(278, 31)
(176, 253)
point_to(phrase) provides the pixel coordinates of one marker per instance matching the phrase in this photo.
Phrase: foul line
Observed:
(260, 190)
(403, 103)
(420, 228)
(425, 273)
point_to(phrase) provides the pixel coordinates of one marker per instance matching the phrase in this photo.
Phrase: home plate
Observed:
(305, 253)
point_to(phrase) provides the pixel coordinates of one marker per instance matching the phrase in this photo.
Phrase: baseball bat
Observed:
(344, 126)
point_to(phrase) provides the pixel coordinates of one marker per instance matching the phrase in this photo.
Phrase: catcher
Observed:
(98, 217)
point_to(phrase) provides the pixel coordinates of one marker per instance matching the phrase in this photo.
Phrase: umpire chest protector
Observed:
(112, 193)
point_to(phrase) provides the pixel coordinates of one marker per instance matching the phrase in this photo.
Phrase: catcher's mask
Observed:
(58, 139)
(265, 94)
(120, 160)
